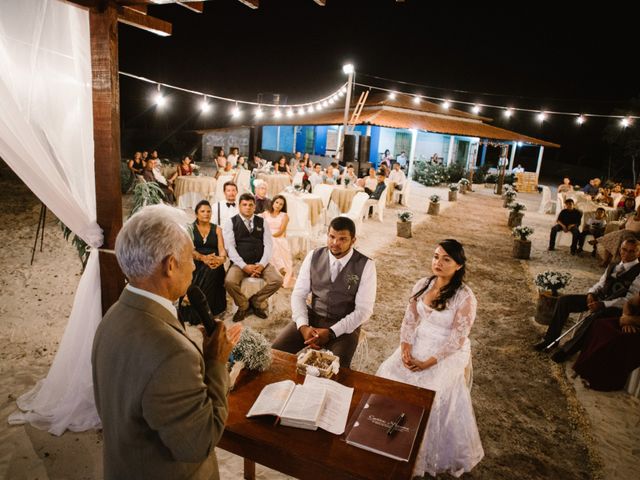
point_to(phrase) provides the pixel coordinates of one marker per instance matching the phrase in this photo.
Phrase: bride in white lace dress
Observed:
(434, 352)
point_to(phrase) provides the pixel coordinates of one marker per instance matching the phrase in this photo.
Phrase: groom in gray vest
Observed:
(342, 284)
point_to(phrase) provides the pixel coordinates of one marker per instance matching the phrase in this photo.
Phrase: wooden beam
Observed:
(106, 140)
(322, 3)
(197, 7)
(138, 8)
(253, 4)
(144, 22)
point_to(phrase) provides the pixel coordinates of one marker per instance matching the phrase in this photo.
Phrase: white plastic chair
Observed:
(297, 178)
(546, 205)
(357, 211)
(324, 192)
(378, 205)
(222, 179)
(243, 181)
(299, 227)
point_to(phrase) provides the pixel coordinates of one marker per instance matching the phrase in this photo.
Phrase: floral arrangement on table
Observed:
(553, 281)
(522, 232)
(405, 216)
(196, 169)
(517, 207)
(576, 188)
(253, 352)
(434, 198)
(453, 187)
(347, 180)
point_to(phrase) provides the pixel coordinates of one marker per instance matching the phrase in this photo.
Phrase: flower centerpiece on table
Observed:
(552, 281)
(347, 180)
(253, 352)
(522, 232)
(196, 169)
(405, 216)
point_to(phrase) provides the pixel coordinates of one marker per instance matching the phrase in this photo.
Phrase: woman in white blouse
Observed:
(434, 353)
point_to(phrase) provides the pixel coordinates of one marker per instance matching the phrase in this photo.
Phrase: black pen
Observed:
(395, 424)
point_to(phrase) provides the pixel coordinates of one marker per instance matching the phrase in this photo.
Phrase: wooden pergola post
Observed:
(103, 23)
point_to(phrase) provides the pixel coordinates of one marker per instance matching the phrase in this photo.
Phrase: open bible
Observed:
(319, 402)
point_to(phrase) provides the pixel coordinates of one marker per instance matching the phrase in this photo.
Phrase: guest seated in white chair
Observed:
(565, 186)
(226, 170)
(281, 166)
(262, 201)
(594, 226)
(376, 193)
(370, 181)
(567, 221)
(316, 178)
(397, 176)
(184, 169)
(136, 166)
(277, 218)
(242, 163)
(249, 244)
(349, 176)
(222, 211)
(149, 177)
(330, 177)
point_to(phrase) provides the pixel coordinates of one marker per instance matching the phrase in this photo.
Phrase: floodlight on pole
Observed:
(348, 69)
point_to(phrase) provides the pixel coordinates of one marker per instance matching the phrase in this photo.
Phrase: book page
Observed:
(304, 404)
(272, 399)
(333, 418)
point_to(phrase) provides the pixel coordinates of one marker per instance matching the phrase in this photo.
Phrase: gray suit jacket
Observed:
(162, 410)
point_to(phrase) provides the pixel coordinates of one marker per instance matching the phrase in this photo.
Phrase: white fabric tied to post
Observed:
(46, 137)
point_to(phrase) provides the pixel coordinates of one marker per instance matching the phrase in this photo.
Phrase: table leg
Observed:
(249, 469)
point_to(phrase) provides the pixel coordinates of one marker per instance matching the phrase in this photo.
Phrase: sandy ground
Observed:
(533, 420)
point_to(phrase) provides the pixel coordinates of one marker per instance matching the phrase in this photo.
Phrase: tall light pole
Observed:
(350, 71)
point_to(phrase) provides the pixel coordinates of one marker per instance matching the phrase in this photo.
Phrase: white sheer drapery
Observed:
(46, 137)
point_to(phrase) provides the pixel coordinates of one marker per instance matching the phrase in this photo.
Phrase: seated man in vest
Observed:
(342, 284)
(249, 243)
(606, 298)
(223, 211)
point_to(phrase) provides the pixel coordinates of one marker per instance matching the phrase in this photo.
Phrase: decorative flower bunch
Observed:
(346, 181)
(253, 349)
(196, 169)
(523, 232)
(517, 207)
(453, 187)
(351, 281)
(405, 216)
(576, 188)
(553, 281)
(464, 181)
(434, 198)
(511, 194)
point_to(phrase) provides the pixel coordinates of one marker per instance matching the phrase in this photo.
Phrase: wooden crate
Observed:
(527, 182)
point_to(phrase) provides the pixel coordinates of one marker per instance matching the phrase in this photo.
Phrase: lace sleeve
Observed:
(463, 318)
(411, 319)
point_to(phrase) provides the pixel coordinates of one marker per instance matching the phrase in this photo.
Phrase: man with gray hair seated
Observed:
(161, 396)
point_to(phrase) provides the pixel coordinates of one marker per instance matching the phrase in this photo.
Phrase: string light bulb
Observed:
(277, 113)
(476, 109)
(446, 104)
(159, 99)
(392, 95)
(204, 105)
(301, 111)
(580, 120)
(416, 100)
(508, 112)
(235, 112)
(542, 117)
(625, 122)
(290, 112)
(310, 109)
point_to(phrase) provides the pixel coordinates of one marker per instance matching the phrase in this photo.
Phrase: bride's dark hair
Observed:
(456, 251)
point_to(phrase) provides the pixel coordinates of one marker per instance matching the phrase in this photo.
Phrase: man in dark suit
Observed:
(161, 397)
(606, 298)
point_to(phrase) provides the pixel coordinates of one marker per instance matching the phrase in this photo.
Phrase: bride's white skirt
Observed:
(451, 442)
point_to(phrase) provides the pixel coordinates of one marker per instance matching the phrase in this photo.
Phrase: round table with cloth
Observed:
(314, 202)
(276, 182)
(189, 189)
(343, 197)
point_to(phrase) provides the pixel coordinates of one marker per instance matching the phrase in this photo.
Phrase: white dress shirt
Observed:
(365, 297)
(315, 179)
(230, 242)
(398, 177)
(232, 159)
(165, 302)
(633, 289)
(224, 213)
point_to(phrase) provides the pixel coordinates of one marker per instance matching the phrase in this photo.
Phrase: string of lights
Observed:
(276, 109)
(476, 108)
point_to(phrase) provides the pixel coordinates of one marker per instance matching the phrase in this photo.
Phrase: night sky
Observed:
(578, 61)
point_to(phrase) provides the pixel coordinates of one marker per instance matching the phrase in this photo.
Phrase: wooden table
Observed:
(276, 182)
(189, 189)
(313, 454)
(343, 197)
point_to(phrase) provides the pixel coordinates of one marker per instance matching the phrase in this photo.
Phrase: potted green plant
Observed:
(453, 192)
(434, 205)
(549, 283)
(521, 242)
(404, 224)
(509, 196)
(516, 214)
